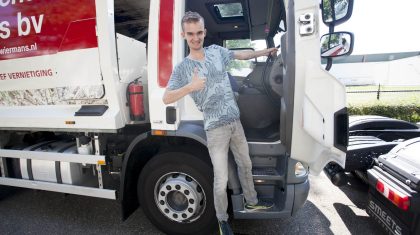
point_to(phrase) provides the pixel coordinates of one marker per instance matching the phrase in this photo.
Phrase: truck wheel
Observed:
(175, 192)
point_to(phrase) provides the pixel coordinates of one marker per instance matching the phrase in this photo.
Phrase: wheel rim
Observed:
(180, 197)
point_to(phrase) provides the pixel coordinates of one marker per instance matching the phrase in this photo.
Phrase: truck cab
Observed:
(67, 120)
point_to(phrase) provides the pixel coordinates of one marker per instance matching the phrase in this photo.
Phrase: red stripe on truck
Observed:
(166, 22)
(80, 35)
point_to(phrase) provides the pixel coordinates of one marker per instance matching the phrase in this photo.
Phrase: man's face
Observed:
(194, 33)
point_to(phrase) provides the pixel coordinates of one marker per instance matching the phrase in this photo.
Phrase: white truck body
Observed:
(61, 62)
(50, 87)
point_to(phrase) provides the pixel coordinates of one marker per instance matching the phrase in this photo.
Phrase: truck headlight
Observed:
(300, 170)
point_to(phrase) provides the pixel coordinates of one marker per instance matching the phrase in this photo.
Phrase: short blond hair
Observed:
(191, 17)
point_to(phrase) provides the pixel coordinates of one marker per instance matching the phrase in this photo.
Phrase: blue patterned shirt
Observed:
(216, 100)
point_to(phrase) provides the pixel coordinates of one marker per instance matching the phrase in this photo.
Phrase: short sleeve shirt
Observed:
(216, 100)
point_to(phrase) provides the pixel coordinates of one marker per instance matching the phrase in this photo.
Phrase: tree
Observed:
(240, 43)
(340, 9)
(230, 9)
(331, 41)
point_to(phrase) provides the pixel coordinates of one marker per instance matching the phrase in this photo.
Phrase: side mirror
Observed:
(335, 12)
(337, 44)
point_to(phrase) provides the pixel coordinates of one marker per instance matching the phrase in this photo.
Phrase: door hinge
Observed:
(307, 24)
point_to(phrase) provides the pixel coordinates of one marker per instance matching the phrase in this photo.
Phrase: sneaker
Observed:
(261, 205)
(224, 228)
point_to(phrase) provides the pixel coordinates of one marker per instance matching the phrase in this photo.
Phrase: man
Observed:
(202, 75)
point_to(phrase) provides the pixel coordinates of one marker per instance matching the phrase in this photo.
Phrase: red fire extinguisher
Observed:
(135, 100)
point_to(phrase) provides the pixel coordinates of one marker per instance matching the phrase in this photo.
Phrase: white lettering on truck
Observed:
(5, 3)
(18, 49)
(385, 218)
(25, 22)
(4, 30)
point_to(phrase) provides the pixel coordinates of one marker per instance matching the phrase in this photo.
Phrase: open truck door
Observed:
(316, 120)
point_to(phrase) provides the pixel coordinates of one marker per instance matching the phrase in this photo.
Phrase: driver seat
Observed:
(259, 116)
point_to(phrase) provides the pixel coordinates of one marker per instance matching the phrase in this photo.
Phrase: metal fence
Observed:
(381, 90)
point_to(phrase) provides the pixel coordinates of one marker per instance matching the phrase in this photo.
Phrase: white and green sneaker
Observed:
(261, 205)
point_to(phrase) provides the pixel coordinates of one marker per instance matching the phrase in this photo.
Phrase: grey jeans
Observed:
(218, 142)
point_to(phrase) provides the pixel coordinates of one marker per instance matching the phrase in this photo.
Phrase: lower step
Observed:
(283, 205)
(273, 213)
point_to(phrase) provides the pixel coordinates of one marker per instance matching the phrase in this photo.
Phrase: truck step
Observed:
(283, 204)
(274, 212)
(266, 173)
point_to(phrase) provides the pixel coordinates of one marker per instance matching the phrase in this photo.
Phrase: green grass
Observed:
(400, 105)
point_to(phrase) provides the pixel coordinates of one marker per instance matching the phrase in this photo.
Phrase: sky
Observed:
(383, 26)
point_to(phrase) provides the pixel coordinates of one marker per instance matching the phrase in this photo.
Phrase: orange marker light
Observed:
(158, 132)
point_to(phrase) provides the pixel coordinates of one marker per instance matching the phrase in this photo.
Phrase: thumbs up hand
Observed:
(197, 83)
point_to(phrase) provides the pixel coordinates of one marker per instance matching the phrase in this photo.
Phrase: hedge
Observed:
(409, 113)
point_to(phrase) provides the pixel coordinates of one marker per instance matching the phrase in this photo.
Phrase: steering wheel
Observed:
(273, 83)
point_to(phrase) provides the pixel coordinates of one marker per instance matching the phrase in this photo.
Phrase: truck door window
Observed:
(241, 68)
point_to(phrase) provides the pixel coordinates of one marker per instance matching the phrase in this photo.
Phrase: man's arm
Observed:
(196, 84)
(246, 55)
(171, 96)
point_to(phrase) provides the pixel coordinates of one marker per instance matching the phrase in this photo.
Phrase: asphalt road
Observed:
(329, 210)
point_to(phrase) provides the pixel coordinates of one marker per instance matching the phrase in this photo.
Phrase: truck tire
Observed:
(175, 191)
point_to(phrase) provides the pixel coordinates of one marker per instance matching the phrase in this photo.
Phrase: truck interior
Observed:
(258, 90)
(255, 23)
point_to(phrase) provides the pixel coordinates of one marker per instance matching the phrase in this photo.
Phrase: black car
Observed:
(394, 186)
